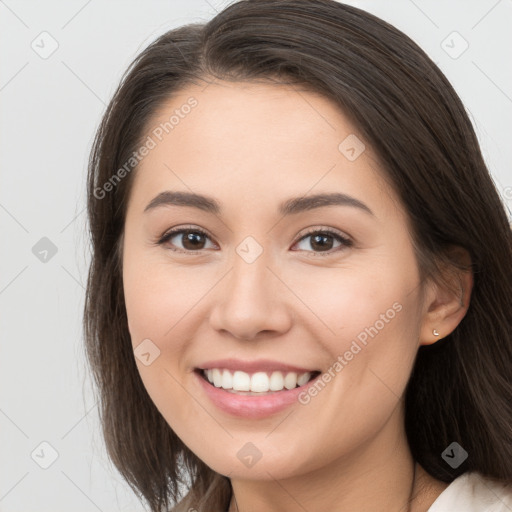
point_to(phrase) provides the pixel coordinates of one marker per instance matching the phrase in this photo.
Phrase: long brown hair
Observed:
(460, 388)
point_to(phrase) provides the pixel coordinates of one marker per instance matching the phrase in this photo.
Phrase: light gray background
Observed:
(50, 108)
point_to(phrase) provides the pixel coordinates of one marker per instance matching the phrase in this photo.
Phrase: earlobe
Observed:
(447, 305)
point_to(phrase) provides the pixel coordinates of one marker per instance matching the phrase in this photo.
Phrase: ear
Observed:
(446, 305)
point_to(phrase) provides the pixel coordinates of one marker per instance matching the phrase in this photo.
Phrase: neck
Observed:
(378, 476)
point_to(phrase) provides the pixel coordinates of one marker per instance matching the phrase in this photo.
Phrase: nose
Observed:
(251, 301)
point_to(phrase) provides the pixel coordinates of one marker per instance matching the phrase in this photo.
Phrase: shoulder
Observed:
(473, 492)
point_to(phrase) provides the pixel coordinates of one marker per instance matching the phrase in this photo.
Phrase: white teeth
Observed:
(302, 379)
(217, 378)
(276, 381)
(227, 380)
(259, 382)
(241, 381)
(290, 381)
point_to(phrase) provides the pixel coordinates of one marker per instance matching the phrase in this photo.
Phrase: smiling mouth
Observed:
(256, 383)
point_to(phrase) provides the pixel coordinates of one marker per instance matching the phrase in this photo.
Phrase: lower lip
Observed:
(252, 406)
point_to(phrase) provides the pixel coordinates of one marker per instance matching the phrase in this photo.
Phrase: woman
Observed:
(299, 294)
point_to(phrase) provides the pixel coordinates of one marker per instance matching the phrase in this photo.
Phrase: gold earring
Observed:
(435, 332)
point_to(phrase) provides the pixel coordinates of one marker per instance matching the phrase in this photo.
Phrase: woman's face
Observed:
(268, 283)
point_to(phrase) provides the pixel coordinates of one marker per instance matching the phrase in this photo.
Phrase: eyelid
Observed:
(323, 229)
(345, 240)
(179, 229)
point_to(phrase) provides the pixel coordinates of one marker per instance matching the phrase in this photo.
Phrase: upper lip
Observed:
(259, 365)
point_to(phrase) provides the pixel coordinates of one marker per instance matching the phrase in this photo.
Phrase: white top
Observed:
(472, 492)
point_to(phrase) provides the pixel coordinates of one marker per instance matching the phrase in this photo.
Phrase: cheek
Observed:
(158, 296)
(346, 301)
(367, 320)
(163, 305)
(157, 302)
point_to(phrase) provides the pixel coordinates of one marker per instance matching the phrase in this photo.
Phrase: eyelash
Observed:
(346, 242)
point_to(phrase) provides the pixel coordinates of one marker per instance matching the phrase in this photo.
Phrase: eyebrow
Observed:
(289, 207)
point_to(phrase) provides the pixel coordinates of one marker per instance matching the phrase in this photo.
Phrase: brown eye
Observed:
(192, 239)
(322, 241)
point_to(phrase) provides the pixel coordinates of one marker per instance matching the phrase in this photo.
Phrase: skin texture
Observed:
(252, 146)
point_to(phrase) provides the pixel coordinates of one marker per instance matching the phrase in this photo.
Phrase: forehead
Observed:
(258, 114)
(256, 139)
